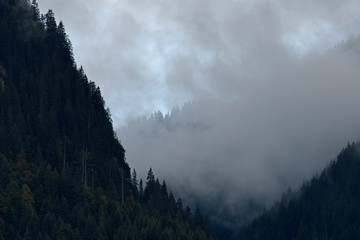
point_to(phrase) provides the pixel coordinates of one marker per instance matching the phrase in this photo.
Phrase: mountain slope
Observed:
(327, 207)
(49, 109)
(63, 173)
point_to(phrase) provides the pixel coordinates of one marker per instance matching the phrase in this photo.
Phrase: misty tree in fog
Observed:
(135, 183)
(150, 177)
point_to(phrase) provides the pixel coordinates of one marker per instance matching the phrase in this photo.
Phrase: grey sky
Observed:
(149, 55)
(272, 105)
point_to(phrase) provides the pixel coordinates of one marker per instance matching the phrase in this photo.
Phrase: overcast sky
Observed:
(150, 55)
(272, 104)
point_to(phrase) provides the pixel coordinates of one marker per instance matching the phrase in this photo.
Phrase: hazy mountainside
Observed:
(326, 207)
(184, 138)
(63, 173)
(280, 128)
(323, 208)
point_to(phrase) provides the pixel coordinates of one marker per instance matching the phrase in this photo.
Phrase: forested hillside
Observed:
(327, 207)
(63, 173)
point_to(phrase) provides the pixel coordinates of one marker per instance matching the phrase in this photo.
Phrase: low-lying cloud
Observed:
(270, 104)
(237, 155)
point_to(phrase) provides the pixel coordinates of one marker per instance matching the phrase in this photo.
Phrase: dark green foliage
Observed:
(327, 207)
(57, 207)
(63, 173)
(48, 108)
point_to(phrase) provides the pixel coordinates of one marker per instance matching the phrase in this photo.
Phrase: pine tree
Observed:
(135, 183)
(141, 190)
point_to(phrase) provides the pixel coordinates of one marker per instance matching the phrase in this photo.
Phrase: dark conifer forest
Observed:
(63, 173)
(326, 207)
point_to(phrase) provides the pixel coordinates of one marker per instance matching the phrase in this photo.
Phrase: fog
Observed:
(267, 104)
(234, 156)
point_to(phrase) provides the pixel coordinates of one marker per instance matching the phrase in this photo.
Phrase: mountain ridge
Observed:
(63, 170)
